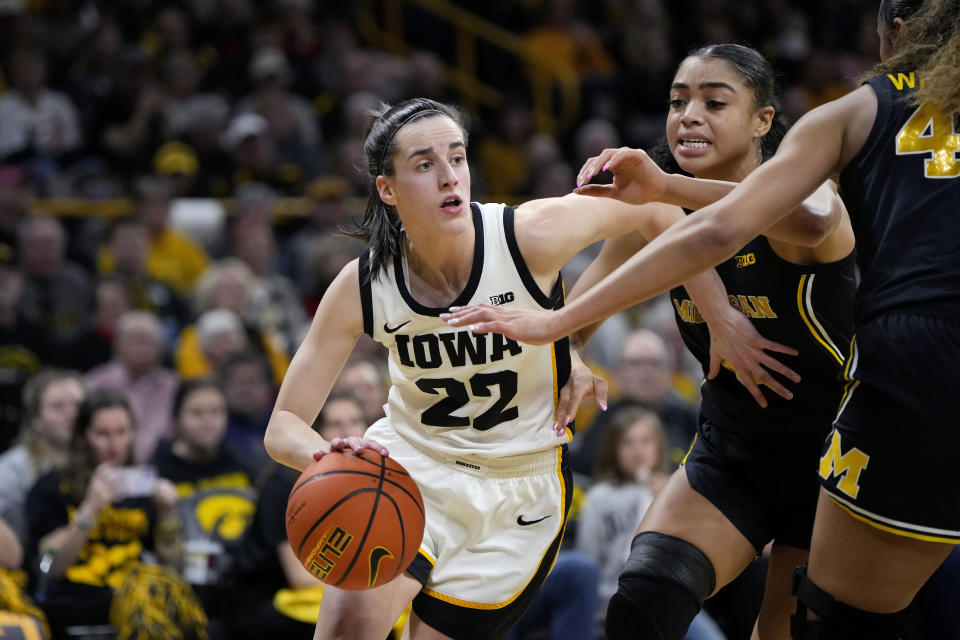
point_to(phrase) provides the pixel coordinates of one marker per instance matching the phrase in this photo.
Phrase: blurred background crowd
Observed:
(172, 178)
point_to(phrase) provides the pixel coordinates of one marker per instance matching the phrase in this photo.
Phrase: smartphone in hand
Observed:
(137, 481)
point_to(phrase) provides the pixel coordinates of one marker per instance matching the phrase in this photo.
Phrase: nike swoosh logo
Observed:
(396, 328)
(527, 523)
(376, 557)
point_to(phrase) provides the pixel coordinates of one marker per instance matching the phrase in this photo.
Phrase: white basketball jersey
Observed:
(459, 393)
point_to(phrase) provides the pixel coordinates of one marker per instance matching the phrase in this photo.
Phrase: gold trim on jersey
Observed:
(805, 305)
(851, 384)
(499, 605)
(687, 455)
(427, 556)
(889, 529)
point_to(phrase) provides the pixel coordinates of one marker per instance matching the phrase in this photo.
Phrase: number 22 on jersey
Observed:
(930, 131)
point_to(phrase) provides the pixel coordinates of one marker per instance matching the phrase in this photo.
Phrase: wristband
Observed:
(83, 523)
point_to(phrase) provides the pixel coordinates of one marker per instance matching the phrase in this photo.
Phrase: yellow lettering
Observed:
(688, 312)
(909, 79)
(747, 308)
(746, 260)
(845, 466)
(930, 131)
(762, 306)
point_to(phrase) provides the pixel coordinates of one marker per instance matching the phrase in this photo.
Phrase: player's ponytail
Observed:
(940, 74)
(380, 227)
(931, 48)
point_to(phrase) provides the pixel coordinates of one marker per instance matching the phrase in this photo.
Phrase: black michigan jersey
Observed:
(903, 194)
(808, 307)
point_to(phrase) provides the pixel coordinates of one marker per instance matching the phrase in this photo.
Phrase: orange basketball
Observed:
(355, 521)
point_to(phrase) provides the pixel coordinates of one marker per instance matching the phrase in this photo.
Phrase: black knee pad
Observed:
(839, 621)
(661, 589)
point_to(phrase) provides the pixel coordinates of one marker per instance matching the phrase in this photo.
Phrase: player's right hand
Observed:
(353, 443)
(522, 325)
(636, 177)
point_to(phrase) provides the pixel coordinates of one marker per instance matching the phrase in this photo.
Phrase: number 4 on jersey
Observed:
(929, 130)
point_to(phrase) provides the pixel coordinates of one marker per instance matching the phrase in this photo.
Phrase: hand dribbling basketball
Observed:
(355, 520)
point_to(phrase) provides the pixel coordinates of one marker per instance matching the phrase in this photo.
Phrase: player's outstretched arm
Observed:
(816, 148)
(734, 339)
(333, 334)
(640, 180)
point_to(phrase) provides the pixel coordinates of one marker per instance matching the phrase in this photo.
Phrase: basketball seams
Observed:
(403, 535)
(396, 469)
(366, 532)
(338, 481)
(318, 521)
(390, 481)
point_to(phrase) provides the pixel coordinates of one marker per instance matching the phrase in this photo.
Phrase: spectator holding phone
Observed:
(215, 491)
(92, 519)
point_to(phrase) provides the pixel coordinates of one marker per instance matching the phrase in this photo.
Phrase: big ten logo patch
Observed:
(502, 298)
(325, 554)
(847, 467)
(745, 260)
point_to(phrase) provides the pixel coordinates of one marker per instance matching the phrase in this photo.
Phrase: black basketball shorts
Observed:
(765, 495)
(891, 459)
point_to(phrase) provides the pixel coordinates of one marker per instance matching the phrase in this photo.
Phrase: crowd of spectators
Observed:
(172, 322)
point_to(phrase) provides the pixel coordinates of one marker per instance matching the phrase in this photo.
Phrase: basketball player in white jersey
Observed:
(472, 418)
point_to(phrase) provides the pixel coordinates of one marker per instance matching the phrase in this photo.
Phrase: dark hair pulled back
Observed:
(380, 227)
(758, 76)
(890, 10)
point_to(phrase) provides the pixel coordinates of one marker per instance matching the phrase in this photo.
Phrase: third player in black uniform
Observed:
(889, 511)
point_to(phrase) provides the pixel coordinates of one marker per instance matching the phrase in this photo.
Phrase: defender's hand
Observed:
(636, 177)
(581, 385)
(532, 327)
(735, 343)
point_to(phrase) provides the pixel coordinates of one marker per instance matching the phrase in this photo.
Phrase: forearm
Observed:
(11, 553)
(290, 441)
(66, 543)
(614, 253)
(686, 249)
(709, 294)
(806, 225)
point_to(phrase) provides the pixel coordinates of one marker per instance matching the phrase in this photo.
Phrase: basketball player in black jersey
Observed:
(750, 476)
(889, 508)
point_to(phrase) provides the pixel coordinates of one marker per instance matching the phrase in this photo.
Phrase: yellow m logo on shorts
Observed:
(845, 466)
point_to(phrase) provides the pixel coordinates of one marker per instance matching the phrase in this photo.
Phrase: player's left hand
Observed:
(532, 327)
(736, 344)
(581, 385)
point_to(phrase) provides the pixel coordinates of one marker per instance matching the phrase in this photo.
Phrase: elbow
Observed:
(13, 557)
(272, 438)
(721, 240)
(816, 226)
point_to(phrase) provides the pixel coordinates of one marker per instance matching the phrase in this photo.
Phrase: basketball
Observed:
(355, 521)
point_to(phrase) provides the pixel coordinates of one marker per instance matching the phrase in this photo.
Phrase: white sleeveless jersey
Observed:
(463, 394)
